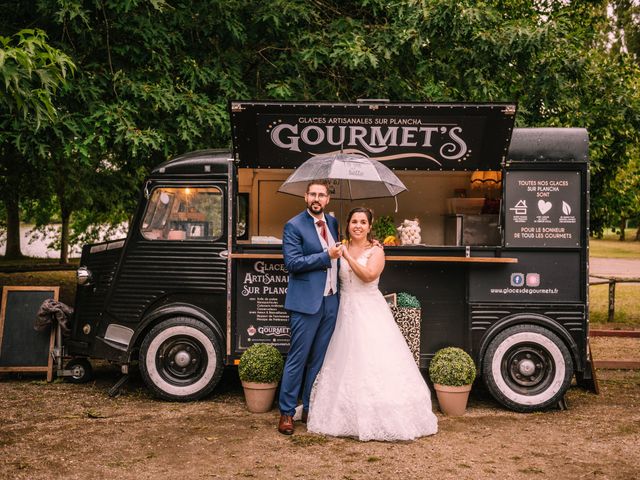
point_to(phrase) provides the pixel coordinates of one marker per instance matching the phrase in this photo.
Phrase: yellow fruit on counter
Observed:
(390, 240)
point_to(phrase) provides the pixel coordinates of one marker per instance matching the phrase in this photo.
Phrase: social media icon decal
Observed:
(533, 280)
(517, 279)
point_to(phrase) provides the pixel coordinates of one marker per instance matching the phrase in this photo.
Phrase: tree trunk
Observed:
(623, 224)
(12, 206)
(64, 236)
(638, 234)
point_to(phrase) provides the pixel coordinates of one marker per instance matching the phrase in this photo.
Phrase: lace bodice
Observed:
(350, 282)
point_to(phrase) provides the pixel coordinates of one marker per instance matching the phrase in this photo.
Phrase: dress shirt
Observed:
(331, 284)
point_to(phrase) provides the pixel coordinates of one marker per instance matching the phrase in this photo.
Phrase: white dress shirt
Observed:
(331, 284)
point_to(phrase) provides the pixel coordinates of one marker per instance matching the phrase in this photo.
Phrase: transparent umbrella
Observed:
(352, 177)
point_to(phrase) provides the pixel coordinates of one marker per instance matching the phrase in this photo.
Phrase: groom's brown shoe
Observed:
(285, 426)
(304, 417)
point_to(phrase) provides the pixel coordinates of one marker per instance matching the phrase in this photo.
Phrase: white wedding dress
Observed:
(369, 386)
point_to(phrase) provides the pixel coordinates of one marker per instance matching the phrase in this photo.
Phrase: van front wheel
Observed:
(527, 368)
(181, 359)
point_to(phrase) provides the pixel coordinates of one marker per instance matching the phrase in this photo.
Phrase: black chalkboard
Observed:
(543, 209)
(22, 348)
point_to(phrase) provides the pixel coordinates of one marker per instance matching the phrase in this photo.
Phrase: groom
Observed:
(310, 255)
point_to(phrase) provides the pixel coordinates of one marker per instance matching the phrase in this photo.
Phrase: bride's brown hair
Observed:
(369, 215)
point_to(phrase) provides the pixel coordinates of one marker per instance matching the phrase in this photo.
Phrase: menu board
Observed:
(542, 209)
(261, 287)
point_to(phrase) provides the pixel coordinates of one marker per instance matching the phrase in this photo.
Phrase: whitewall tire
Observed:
(181, 359)
(527, 368)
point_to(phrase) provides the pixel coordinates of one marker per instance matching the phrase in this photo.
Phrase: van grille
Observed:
(91, 298)
(151, 271)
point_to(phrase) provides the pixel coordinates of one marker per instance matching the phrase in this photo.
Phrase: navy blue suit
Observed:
(312, 315)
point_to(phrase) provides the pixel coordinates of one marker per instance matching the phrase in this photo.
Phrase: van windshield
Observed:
(186, 213)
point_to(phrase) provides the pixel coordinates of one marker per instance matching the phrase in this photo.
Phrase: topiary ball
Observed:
(406, 300)
(261, 363)
(453, 367)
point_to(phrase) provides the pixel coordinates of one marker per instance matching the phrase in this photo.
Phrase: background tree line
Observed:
(118, 86)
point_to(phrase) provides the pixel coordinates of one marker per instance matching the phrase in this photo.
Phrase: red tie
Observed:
(323, 230)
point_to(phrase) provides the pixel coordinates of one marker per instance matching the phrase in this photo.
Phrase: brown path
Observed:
(614, 267)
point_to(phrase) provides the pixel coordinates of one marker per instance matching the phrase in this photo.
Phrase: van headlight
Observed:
(83, 276)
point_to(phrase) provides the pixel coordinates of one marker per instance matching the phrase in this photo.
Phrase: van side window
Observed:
(185, 213)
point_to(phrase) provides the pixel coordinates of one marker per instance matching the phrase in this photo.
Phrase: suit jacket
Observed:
(306, 261)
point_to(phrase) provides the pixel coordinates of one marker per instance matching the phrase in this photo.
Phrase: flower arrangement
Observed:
(453, 367)
(261, 363)
(406, 300)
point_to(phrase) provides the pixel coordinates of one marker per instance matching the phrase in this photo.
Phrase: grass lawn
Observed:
(611, 247)
(627, 306)
(66, 280)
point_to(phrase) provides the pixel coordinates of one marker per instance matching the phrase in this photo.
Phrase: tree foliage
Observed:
(155, 76)
(31, 71)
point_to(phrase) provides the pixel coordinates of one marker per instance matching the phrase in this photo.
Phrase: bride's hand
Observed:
(335, 251)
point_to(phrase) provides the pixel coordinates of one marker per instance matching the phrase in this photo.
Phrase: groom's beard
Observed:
(315, 208)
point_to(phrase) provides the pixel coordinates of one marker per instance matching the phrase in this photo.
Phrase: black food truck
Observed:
(500, 268)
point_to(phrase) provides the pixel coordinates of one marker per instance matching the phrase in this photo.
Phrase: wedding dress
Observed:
(369, 386)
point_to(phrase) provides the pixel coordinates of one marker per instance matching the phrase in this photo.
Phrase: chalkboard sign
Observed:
(542, 209)
(22, 348)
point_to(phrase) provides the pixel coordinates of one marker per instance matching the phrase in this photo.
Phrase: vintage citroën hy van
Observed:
(501, 268)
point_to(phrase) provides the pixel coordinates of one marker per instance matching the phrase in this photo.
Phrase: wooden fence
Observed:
(612, 281)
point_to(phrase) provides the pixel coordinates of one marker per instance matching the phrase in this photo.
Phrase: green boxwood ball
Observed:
(453, 367)
(261, 363)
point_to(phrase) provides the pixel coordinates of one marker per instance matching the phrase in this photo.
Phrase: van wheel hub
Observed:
(528, 365)
(180, 359)
(183, 358)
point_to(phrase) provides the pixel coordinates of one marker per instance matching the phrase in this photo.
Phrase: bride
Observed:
(369, 386)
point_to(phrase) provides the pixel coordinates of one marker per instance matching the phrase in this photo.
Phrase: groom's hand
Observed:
(335, 251)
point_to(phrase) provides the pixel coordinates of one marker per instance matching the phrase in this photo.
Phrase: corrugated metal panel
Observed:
(151, 271)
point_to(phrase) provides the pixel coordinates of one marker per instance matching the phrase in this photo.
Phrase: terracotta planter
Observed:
(259, 396)
(452, 400)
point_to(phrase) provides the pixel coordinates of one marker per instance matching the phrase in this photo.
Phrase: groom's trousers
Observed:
(310, 336)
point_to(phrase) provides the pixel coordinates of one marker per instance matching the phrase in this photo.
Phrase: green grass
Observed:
(627, 306)
(65, 279)
(611, 247)
(33, 261)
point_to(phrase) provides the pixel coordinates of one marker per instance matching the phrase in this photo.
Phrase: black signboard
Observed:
(261, 287)
(416, 136)
(548, 277)
(542, 209)
(22, 348)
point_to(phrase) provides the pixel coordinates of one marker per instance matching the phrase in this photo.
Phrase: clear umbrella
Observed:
(352, 177)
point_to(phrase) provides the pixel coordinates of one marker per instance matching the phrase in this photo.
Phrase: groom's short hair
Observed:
(324, 183)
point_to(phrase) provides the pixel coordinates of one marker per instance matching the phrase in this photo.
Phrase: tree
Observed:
(625, 204)
(623, 197)
(139, 96)
(31, 71)
(155, 77)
